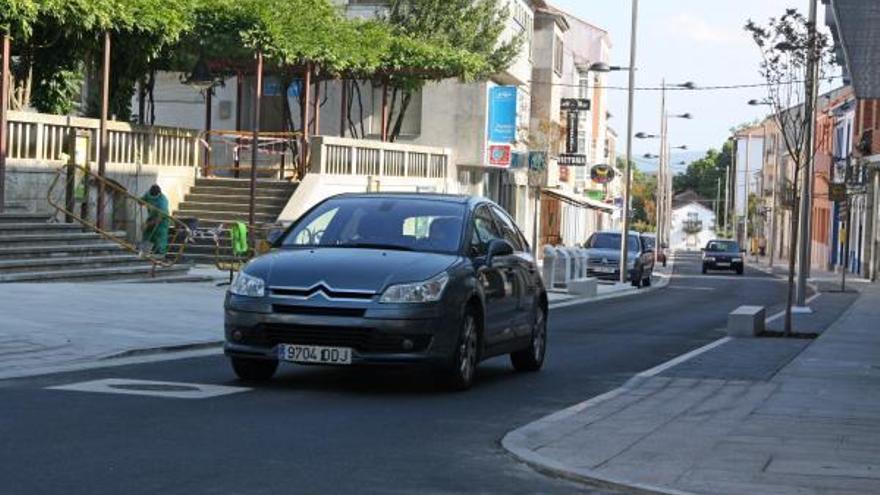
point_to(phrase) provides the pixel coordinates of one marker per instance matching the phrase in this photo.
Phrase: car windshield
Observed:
(404, 224)
(605, 240)
(722, 247)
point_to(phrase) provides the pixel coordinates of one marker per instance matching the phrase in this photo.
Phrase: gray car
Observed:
(603, 249)
(391, 279)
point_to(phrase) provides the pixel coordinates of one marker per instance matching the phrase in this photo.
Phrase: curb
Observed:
(152, 351)
(516, 443)
(663, 281)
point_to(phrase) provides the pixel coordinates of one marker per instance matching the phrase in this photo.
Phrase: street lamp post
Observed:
(627, 179)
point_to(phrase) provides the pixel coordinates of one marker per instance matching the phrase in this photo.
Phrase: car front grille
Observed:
(361, 339)
(319, 311)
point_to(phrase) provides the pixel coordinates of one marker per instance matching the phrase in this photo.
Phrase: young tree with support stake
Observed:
(790, 48)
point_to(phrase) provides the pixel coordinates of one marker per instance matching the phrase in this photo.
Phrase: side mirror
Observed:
(274, 236)
(498, 247)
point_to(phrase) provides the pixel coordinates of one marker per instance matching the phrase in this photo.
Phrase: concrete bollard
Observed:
(563, 267)
(746, 321)
(548, 270)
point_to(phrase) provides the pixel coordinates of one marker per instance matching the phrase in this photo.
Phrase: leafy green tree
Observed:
(702, 175)
(474, 27)
(644, 197)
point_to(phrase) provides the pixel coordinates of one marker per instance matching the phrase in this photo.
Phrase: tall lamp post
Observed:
(627, 179)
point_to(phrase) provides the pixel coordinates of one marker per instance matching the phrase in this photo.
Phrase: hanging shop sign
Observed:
(602, 173)
(500, 155)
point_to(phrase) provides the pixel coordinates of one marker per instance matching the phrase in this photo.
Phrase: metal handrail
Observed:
(164, 261)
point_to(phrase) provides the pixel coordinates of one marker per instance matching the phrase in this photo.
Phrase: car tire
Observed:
(739, 271)
(646, 282)
(705, 270)
(532, 357)
(254, 370)
(463, 366)
(637, 280)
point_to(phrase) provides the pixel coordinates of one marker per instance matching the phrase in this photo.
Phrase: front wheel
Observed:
(637, 280)
(254, 370)
(532, 357)
(463, 367)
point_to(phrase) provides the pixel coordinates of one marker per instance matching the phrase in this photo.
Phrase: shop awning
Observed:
(578, 200)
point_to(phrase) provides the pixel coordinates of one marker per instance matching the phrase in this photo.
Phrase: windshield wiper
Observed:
(372, 245)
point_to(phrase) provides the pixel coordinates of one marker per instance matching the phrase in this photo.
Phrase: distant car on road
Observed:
(723, 255)
(390, 279)
(603, 249)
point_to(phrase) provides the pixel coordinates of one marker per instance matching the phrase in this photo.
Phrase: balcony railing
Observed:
(45, 138)
(692, 226)
(343, 156)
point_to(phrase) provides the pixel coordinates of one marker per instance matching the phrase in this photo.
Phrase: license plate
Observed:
(314, 354)
(604, 269)
(722, 263)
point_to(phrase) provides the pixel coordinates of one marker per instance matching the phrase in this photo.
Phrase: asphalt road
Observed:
(320, 430)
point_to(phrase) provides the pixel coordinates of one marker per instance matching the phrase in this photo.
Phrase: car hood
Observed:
(347, 268)
(609, 254)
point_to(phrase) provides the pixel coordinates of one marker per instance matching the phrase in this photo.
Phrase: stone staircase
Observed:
(34, 250)
(223, 201)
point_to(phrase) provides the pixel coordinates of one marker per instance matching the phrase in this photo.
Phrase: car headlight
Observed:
(247, 285)
(708, 258)
(419, 292)
(737, 260)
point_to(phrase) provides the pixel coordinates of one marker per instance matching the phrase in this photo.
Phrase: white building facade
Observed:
(693, 225)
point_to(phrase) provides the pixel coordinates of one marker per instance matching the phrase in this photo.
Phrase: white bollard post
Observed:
(549, 268)
(564, 273)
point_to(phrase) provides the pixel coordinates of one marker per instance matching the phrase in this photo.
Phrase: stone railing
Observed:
(361, 157)
(45, 138)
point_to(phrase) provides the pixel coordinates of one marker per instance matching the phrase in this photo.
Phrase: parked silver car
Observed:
(603, 249)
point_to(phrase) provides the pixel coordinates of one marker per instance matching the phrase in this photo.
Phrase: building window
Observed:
(523, 19)
(557, 56)
(412, 119)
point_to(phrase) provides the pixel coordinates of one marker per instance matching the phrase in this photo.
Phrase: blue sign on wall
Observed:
(502, 114)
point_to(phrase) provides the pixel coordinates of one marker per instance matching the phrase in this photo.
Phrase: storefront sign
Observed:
(571, 135)
(601, 174)
(537, 161)
(502, 114)
(499, 155)
(573, 160)
(575, 105)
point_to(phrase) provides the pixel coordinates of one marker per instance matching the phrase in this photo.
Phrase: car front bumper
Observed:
(403, 335)
(731, 265)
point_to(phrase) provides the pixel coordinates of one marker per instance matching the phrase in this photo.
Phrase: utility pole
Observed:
(4, 111)
(627, 184)
(746, 181)
(661, 177)
(806, 206)
(718, 205)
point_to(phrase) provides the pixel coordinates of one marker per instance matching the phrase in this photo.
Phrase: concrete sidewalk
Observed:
(44, 326)
(748, 419)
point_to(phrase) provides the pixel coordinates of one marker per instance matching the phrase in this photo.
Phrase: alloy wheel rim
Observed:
(539, 337)
(468, 350)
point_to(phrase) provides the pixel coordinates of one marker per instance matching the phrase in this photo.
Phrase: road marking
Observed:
(782, 313)
(110, 363)
(656, 370)
(731, 277)
(174, 390)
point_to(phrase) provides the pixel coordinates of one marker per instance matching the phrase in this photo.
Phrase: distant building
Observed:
(693, 223)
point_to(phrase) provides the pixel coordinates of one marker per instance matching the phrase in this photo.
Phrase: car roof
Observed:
(448, 198)
(617, 232)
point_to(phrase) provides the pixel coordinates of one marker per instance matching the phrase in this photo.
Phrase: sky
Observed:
(684, 40)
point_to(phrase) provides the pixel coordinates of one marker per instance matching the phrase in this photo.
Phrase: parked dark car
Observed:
(603, 249)
(723, 255)
(386, 279)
